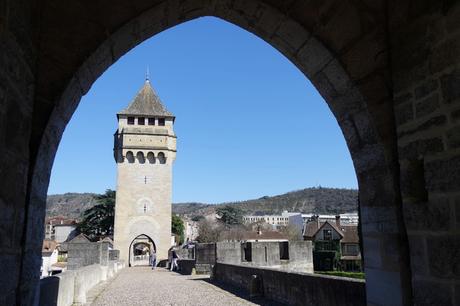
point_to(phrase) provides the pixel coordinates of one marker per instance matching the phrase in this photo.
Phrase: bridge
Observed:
(144, 286)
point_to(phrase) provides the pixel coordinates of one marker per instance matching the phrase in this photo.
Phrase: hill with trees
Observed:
(319, 200)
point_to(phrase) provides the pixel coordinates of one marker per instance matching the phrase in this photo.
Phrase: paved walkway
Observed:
(141, 286)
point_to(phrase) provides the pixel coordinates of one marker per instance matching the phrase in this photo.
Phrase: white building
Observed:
(284, 219)
(346, 219)
(191, 230)
(49, 257)
(64, 232)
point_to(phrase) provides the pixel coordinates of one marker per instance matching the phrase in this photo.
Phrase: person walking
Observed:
(153, 260)
(174, 258)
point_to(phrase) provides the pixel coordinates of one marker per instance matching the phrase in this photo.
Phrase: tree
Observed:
(177, 227)
(230, 215)
(208, 231)
(197, 218)
(292, 232)
(98, 220)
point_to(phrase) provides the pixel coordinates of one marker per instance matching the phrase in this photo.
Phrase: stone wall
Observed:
(81, 254)
(267, 254)
(293, 288)
(71, 287)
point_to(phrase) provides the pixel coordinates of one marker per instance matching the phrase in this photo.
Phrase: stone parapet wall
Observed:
(293, 288)
(72, 287)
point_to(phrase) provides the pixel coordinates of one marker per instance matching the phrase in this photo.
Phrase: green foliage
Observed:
(98, 220)
(359, 275)
(177, 227)
(230, 215)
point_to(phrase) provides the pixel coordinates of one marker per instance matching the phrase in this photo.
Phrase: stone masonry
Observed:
(388, 70)
(145, 149)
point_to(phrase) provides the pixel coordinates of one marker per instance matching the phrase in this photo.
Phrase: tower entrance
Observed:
(140, 249)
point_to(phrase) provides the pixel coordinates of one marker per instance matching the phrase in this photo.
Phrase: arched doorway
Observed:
(342, 46)
(140, 249)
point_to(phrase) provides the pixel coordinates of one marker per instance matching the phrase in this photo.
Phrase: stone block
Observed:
(418, 255)
(430, 293)
(427, 106)
(313, 56)
(433, 215)
(421, 148)
(445, 55)
(404, 113)
(425, 125)
(443, 174)
(402, 98)
(293, 34)
(453, 137)
(443, 255)
(425, 89)
(450, 85)
(455, 115)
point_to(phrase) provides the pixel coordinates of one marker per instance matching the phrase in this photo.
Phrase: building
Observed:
(284, 219)
(335, 245)
(49, 257)
(347, 218)
(191, 230)
(144, 150)
(60, 228)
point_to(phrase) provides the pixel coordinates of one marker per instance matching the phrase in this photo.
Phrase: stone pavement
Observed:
(141, 286)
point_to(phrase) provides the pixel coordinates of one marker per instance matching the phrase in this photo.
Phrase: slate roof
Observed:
(349, 233)
(146, 103)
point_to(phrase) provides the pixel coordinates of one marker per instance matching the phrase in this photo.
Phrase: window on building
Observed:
(284, 250)
(130, 120)
(327, 234)
(161, 121)
(151, 121)
(141, 120)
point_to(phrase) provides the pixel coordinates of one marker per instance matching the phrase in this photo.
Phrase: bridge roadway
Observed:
(141, 286)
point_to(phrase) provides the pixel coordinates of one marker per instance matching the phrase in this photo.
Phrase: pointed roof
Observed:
(146, 103)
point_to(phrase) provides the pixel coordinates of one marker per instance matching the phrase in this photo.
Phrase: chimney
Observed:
(259, 231)
(317, 221)
(337, 221)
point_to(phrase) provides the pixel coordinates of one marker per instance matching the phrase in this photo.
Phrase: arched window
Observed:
(161, 158)
(130, 157)
(140, 157)
(151, 158)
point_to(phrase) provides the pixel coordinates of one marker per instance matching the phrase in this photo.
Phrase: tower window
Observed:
(130, 120)
(141, 120)
(151, 121)
(161, 121)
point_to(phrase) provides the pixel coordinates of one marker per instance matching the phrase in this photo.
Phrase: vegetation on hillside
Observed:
(178, 228)
(317, 200)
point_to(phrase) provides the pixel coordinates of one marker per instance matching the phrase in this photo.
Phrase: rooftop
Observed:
(146, 103)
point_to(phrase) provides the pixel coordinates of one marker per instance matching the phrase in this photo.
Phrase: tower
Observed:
(144, 150)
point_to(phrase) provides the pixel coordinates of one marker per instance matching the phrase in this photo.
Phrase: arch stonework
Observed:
(387, 69)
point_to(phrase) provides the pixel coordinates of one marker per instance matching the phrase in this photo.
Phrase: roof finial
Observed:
(147, 75)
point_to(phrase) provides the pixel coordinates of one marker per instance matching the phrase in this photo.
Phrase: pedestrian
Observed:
(174, 258)
(153, 260)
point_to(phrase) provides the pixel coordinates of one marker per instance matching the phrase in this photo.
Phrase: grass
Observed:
(359, 275)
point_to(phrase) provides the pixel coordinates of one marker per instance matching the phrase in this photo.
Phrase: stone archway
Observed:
(343, 47)
(141, 258)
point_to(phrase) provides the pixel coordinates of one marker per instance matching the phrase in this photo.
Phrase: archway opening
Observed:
(140, 250)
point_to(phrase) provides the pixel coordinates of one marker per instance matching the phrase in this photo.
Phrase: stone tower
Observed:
(144, 150)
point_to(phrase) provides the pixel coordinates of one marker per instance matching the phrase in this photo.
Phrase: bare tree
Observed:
(294, 233)
(208, 231)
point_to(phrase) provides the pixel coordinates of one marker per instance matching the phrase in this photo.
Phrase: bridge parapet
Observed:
(293, 288)
(71, 287)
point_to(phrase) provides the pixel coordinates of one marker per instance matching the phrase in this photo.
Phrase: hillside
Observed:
(310, 200)
(70, 205)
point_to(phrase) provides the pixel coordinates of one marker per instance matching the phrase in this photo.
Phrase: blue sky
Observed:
(248, 122)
